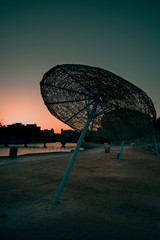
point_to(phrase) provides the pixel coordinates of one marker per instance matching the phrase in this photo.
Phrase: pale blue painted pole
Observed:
(66, 175)
(155, 143)
(120, 155)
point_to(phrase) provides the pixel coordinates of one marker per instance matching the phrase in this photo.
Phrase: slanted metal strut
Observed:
(72, 160)
(120, 155)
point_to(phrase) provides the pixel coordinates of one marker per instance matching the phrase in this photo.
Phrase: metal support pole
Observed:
(155, 143)
(66, 175)
(120, 155)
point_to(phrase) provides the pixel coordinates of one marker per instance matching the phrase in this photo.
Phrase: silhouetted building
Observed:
(67, 133)
(20, 129)
(48, 133)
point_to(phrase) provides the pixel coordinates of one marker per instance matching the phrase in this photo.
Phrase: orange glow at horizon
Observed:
(24, 104)
(27, 107)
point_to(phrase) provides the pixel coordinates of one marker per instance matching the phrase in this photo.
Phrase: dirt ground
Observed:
(101, 200)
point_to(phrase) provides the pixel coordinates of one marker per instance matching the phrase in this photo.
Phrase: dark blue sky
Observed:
(120, 36)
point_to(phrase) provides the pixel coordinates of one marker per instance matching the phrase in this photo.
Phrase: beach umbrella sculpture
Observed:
(94, 99)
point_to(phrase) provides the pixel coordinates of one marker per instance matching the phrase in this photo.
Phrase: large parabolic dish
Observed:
(123, 111)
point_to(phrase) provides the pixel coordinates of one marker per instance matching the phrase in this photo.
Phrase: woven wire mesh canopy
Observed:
(92, 98)
(123, 111)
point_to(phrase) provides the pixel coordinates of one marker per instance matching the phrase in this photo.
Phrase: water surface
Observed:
(38, 148)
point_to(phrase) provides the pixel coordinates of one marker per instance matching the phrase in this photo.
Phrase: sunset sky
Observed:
(120, 36)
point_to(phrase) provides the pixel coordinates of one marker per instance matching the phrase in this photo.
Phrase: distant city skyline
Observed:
(120, 36)
(26, 124)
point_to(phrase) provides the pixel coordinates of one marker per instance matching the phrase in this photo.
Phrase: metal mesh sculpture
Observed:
(92, 98)
(70, 91)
